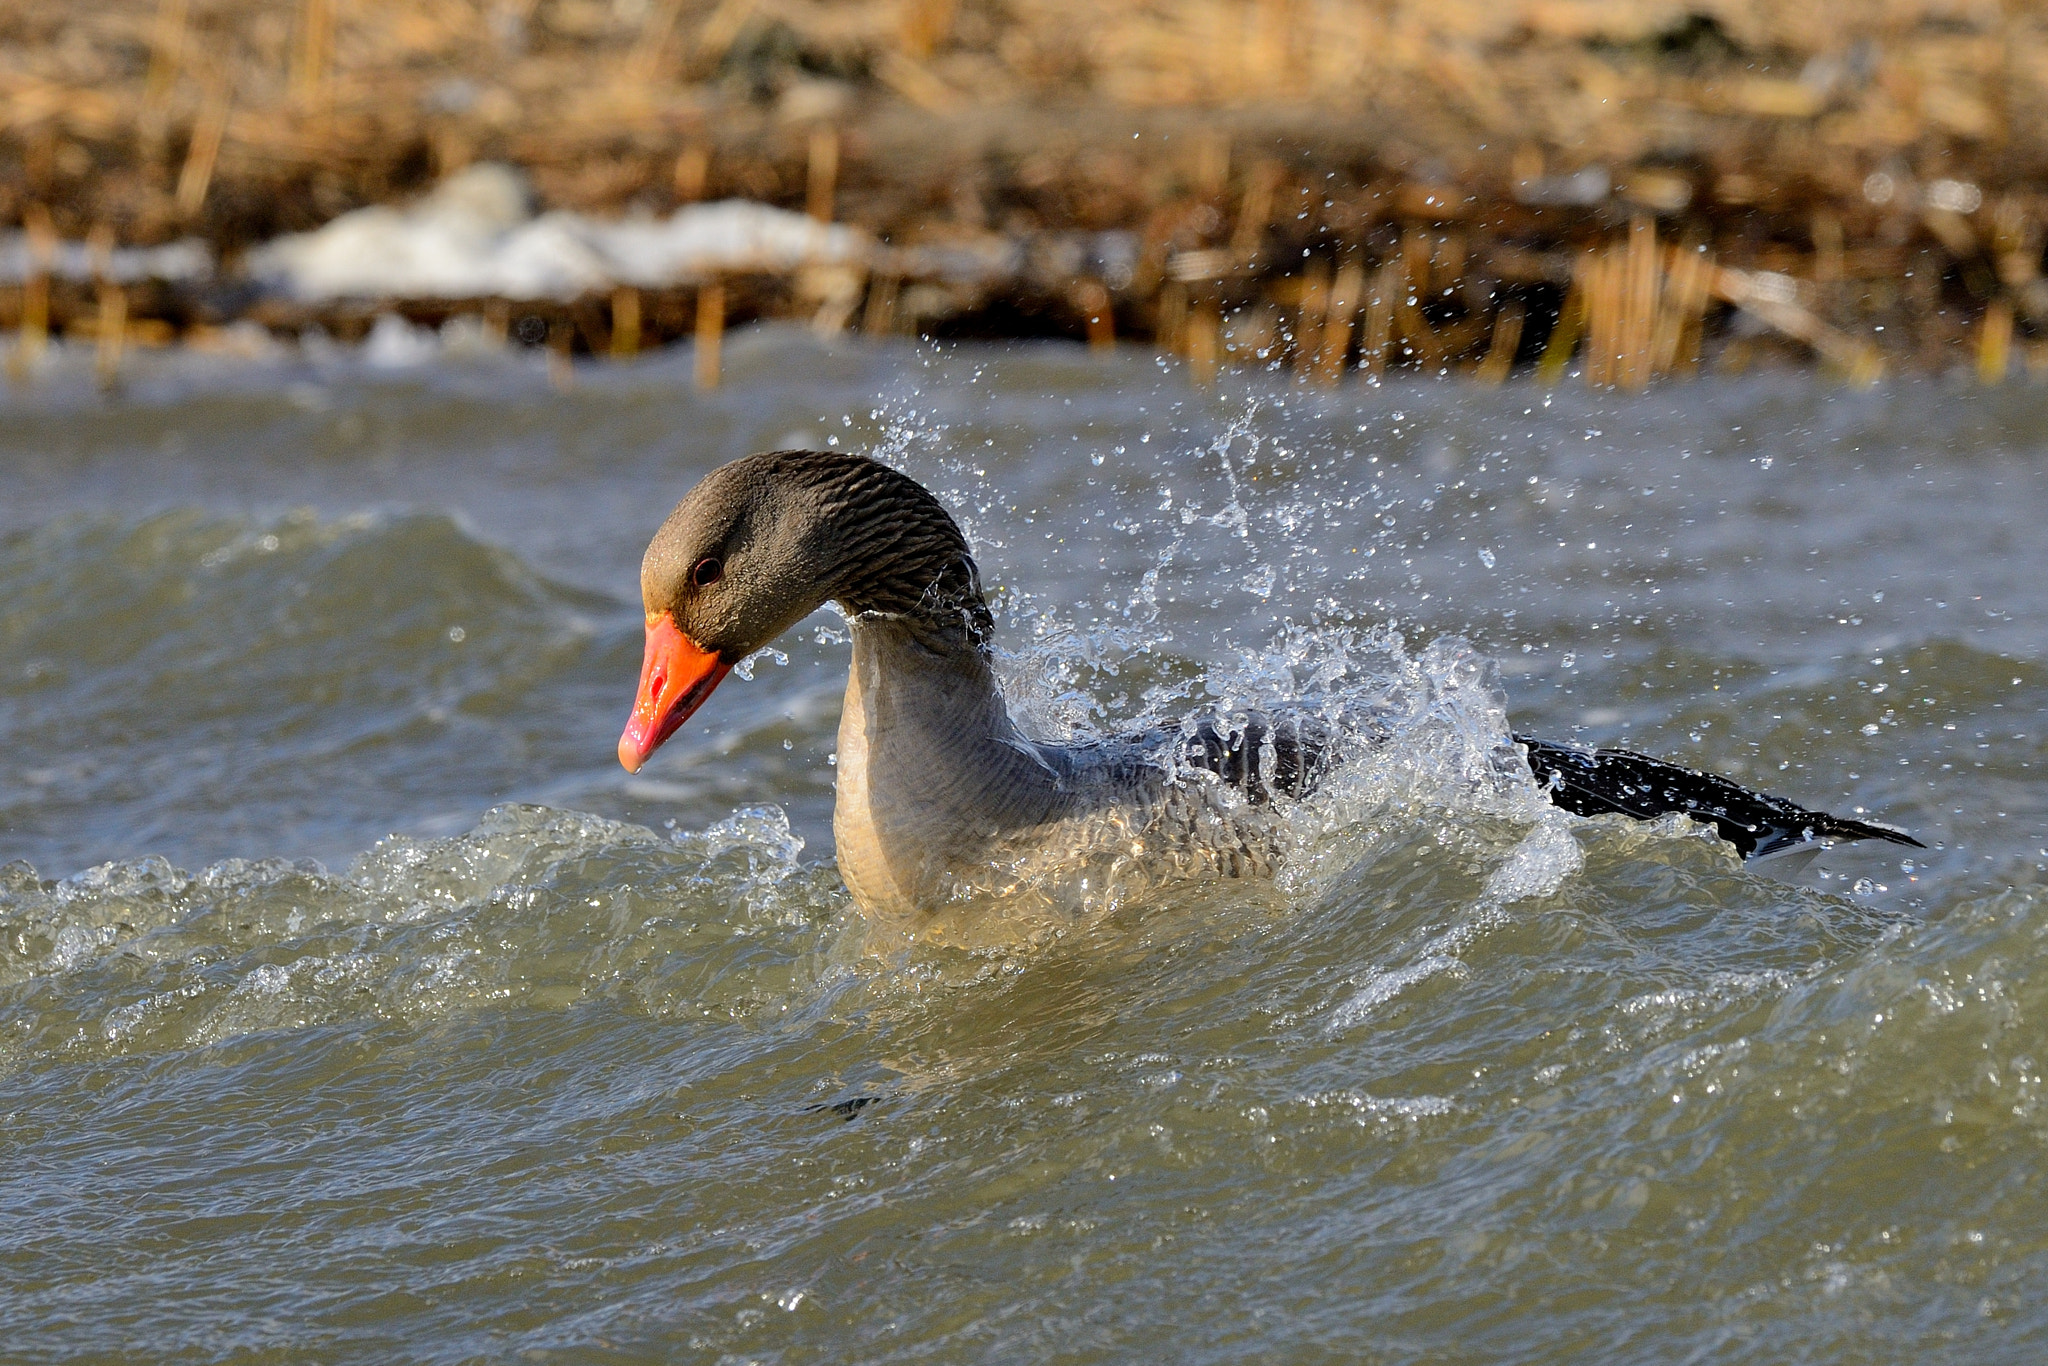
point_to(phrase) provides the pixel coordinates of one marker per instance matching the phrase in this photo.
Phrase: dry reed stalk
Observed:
(923, 24)
(1410, 324)
(837, 290)
(497, 321)
(715, 37)
(644, 62)
(1615, 313)
(1254, 212)
(166, 54)
(41, 230)
(1641, 286)
(1953, 230)
(693, 170)
(110, 328)
(1500, 353)
(1604, 275)
(916, 82)
(1994, 343)
(1688, 285)
(1417, 253)
(710, 334)
(1827, 247)
(1564, 336)
(166, 51)
(561, 371)
(822, 172)
(1447, 258)
(1379, 320)
(34, 336)
(2016, 248)
(625, 322)
(208, 131)
(1308, 324)
(35, 290)
(1598, 275)
(879, 317)
(1205, 341)
(1857, 360)
(1093, 300)
(1418, 276)
(315, 54)
(1344, 302)
(1169, 332)
(110, 333)
(1589, 276)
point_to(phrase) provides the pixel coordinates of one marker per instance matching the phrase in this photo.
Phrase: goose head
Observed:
(766, 540)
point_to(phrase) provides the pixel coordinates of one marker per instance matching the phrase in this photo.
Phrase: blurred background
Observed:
(1631, 187)
(1618, 367)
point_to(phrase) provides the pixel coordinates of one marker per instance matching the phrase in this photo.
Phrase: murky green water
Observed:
(354, 1005)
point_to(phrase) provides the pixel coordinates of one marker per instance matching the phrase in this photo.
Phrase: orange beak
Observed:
(676, 675)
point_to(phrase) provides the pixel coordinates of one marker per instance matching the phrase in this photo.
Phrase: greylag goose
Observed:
(939, 795)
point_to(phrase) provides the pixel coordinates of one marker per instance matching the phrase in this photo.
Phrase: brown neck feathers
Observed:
(895, 549)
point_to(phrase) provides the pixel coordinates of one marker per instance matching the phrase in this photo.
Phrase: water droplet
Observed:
(269, 979)
(1870, 729)
(457, 635)
(1486, 557)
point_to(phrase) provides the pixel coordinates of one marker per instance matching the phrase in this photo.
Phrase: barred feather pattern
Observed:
(899, 552)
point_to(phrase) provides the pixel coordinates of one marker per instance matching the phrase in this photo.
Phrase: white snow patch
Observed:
(474, 236)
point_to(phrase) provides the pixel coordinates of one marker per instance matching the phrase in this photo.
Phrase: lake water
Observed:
(356, 1006)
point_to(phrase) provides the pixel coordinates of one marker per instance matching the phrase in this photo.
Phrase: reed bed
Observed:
(1339, 188)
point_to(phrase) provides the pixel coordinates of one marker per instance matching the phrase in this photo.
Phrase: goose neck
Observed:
(932, 771)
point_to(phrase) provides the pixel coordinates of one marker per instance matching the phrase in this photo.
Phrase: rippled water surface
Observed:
(354, 1005)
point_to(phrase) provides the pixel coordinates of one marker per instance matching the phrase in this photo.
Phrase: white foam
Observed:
(1382, 987)
(1547, 855)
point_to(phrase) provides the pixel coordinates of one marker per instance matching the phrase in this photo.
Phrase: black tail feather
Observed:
(1293, 752)
(1288, 755)
(1598, 782)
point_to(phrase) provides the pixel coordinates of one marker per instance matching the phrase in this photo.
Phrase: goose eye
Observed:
(708, 571)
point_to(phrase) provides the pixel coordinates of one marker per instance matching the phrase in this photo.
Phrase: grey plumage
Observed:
(939, 797)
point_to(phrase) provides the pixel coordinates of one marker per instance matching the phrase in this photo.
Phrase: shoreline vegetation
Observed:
(1621, 188)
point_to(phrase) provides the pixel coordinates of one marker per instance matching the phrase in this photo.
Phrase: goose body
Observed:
(933, 775)
(939, 795)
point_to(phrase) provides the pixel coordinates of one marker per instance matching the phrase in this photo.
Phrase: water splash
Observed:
(533, 907)
(1422, 734)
